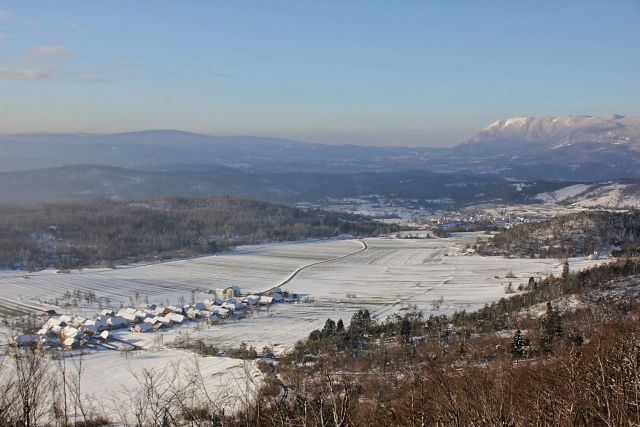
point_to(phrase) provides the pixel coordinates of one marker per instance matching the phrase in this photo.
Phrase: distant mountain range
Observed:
(571, 149)
(172, 149)
(565, 148)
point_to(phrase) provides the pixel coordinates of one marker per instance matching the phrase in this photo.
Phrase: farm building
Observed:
(66, 319)
(220, 311)
(192, 313)
(98, 324)
(164, 321)
(265, 300)
(117, 322)
(128, 314)
(231, 306)
(69, 332)
(176, 318)
(224, 293)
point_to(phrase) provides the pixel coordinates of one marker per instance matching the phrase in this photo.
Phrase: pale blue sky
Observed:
(366, 72)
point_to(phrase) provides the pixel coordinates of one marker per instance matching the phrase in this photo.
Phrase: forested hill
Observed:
(570, 235)
(104, 232)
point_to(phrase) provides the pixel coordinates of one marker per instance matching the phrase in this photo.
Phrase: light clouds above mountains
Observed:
(39, 63)
(423, 74)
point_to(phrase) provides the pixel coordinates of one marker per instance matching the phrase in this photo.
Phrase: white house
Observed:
(65, 318)
(193, 313)
(265, 300)
(164, 320)
(220, 311)
(68, 332)
(117, 322)
(130, 316)
(176, 318)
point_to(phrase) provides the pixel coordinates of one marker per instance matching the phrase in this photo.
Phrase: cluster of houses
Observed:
(71, 332)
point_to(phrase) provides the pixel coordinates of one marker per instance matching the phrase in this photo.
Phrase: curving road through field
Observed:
(297, 271)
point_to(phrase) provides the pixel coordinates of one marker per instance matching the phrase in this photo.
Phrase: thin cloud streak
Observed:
(47, 62)
(44, 52)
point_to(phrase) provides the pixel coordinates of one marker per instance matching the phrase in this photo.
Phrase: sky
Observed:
(416, 73)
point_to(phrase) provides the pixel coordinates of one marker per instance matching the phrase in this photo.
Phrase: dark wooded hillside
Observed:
(569, 235)
(67, 235)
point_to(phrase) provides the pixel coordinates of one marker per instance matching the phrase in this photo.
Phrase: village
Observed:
(69, 332)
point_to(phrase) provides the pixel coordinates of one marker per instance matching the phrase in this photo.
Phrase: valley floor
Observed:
(339, 277)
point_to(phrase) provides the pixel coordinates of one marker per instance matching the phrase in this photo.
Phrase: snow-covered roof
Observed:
(130, 316)
(69, 332)
(117, 321)
(175, 317)
(165, 320)
(265, 299)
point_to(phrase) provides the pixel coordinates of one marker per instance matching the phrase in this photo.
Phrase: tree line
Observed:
(106, 232)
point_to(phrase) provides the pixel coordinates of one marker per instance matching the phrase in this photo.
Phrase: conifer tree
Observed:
(519, 345)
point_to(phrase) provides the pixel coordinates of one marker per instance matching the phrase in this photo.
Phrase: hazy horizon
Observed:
(416, 74)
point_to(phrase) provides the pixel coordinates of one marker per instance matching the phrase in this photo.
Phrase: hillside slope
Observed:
(570, 235)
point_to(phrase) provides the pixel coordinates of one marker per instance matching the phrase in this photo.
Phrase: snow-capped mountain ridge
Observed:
(582, 139)
(552, 131)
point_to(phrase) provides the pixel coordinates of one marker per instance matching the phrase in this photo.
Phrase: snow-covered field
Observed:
(253, 268)
(228, 380)
(340, 277)
(385, 275)
(395, 273)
